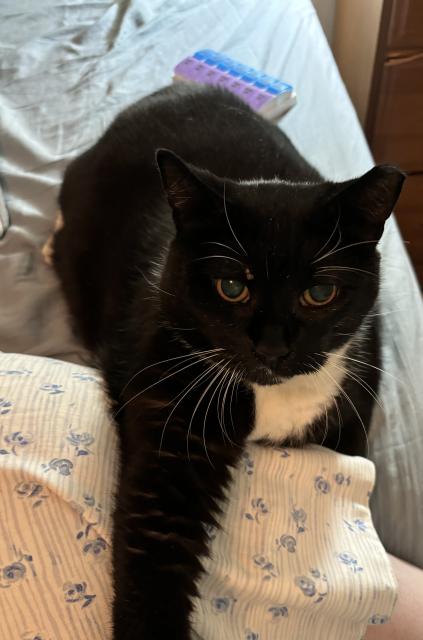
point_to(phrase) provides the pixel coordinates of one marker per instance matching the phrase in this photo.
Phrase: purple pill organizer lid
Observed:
(266, 94)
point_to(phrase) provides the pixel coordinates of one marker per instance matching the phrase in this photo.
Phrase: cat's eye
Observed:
(319, 295)
(232, 290)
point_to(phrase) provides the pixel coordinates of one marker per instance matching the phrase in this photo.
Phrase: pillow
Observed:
(297, 544)
(58, 461)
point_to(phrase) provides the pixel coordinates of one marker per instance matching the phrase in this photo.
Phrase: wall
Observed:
(352, 28)
(355, 36)
(326, 11)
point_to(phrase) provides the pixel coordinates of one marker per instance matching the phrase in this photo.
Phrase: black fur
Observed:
(141, 297)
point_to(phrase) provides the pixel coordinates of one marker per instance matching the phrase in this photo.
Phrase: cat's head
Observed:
(276, 273)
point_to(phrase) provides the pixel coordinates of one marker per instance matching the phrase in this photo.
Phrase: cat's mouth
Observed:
(265, 374)
(278, 373)
(266, 377)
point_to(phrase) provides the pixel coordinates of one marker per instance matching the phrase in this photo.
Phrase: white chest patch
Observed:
(287, 409)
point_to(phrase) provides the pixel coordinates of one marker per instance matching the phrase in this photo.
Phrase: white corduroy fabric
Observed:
(58, 461)
(297, 555)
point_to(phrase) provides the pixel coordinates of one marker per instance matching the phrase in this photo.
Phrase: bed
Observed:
(66, 69)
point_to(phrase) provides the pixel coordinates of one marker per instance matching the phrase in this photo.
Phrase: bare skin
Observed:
(407, 620)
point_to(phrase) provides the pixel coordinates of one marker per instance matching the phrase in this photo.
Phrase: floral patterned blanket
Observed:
(297, 554)
(57, 467)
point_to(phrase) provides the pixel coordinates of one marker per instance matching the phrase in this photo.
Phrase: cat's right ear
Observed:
(185, 193)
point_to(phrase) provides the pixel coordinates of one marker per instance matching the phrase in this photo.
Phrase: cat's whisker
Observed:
(235, 382)
(231, 382)
(366, 364)
(332, 250)
(345, 268)
(383, 313)
(166, 325)
(219, 403)
(218, 256)
(347, 335)
(191, 364)
(356, 378)
(154, 364)
(225, 371)
(223, 406)
(220, 408)
(235, 379)
(325, 435)
(153, 285)
(190, 387)
(195, 411)
(330, 238)
(328, 275)
(226, 394)
(228, 221)
(316, 370)
(221, 244)
(238, 379)
(340, 423)
(199, 358)
(222, 373)
(348, 246)
(354, 408)
(203, 379)
(387, 373)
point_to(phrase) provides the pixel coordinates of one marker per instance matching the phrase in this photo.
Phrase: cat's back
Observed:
(117, 180)
(209, 127)
(206, 126)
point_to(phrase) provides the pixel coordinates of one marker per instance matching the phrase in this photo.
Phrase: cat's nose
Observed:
(271, 356)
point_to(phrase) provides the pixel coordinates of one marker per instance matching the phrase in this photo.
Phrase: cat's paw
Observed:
(47, 250)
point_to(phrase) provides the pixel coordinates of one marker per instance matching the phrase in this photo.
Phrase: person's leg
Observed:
(407, 620)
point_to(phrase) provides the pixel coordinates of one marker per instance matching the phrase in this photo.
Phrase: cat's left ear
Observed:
(185, 192)
(367, 202)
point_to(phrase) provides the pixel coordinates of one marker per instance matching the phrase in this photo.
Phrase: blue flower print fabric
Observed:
(58, 453)
(296, 545)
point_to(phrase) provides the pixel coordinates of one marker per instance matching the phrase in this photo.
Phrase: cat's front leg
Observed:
(166, 500)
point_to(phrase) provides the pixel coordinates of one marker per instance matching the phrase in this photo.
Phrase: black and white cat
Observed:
(228, 292)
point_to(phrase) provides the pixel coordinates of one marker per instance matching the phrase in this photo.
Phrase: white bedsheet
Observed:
(66, 68)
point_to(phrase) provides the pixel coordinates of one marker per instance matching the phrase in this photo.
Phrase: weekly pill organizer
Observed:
(266, 94)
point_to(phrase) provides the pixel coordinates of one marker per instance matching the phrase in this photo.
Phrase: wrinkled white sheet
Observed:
(66, 68)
